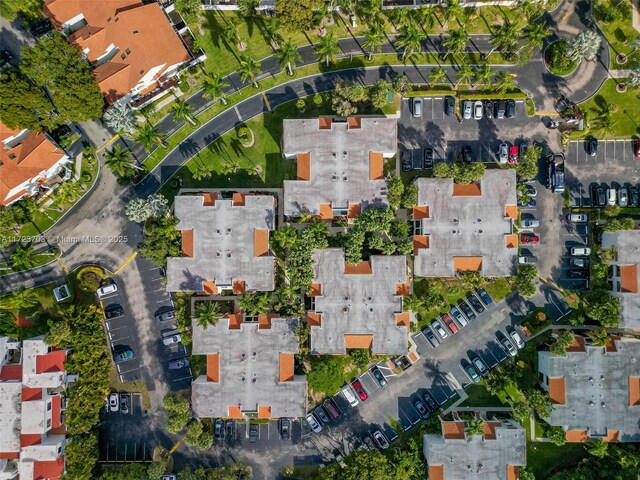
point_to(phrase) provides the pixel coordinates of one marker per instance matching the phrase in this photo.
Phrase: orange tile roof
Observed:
(28, 439)
(467, 263)
(233, 411)
(326, 212)
(354, 122)
(238, 199)
(287, 363)
(324, 123)
(209, 198)
(213, 367)
(466, 190)
(51, 362)
(634, 391)
(316, 290)
(453, 430)
(376, 166)
(557, 391)
(578, 344)
(513, 472)
(314, 319)
(209, 287)
(576, 436)
(11, 372)
(239, 287)
(142, 34)
(31, 394)
(264, 321)
(358, 341)
(235, 320)
(436, 472)
(264, 411)
(303, 165)
(9, 455)
(612, 436)
(403, 319)
(187, 243)
(49, 470)
(418, 213)
(6, 132)
(420, 241)
(629, 278)
(55, 411)
(610, 344)
(511, 211)
(489, 429)
(354, 210)
(511, 240)
(361, 268)
(413, 357)
(260, 242)
(403, 289)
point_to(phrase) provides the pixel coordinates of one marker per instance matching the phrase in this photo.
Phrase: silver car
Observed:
(466, 112)
(477, 110)
(437, 326)
(314, 424)
(530, 223)
(503, 153)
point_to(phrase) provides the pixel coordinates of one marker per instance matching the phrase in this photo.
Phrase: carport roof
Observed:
(467, 227)
(254, 370)
(627, 247)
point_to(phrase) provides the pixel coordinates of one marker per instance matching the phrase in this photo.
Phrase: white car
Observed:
(508, 346)
(580, 251)
(527, 259)
(114, 402)
(529, 223)
(314, 424)
(623, 199)
(466, 112)
(347, 393)
(437, 326)
(170, 340)
(107, 289)
(417, 107)
(380, 439)
(503, 153)
(611, 196)
(517, 339)
(477, 110)
(578, 217)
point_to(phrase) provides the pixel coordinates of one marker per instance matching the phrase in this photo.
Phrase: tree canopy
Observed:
(460, 172)
(24, 105)
(296, 14)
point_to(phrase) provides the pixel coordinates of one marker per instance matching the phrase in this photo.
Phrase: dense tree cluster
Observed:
(327, 374)
(602, 307)
(561, 343)
(460, 172)
(178, 412)
(526, 276)
(350, 98)
(234, 471)
(161, 239)
(527, 166)
(296, 15)
(401, 195)
(607, 462)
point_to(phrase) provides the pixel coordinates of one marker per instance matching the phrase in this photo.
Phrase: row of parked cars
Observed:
(117, 402)
(476, 368)
(489, 109)
(465, 311)
(623, 197)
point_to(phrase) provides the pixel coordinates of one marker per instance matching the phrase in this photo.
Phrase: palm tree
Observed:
(288, 56)
(373, 40)
(584, 46)
(202, 171)
(271, 27)
(181, 110)
(597, 448)
(119, 161)
(149, 135)
(535, 33)
(426, 15)
(528, 8)
(599, 336)
(327, 48)
(505, 82)
(400, 17)
(605, 122)
(232, 33)
(506, 36)
(208, 314)
(474, 427)
(248, 69)
(457, 42)
(410, 40)
(213, 88)
(464, 74)
(120, 117)
(23, 257)
(484, 74)
(20, 300)
(253, 304)
(68, 192)
(452, 10)
(437, 75)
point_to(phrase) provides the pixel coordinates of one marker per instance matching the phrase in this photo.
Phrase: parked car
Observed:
(511, 108)
(230, 427)
(285, 429)
(636, 147)
(321, 414)
(416, 107)
(507, 345)
(523, 148)
(634, 200)
(432, 403)
(123, 356)
(380, 439)
(503, 153)
(467, 109)
(218, 428)
(477, 110)
(524, 259)
(313, 422)
(484, 296)
(591, 146)
(377, 374)
(467, 310)
(107, 290)
(430, 336)
(331, 407)
(450, 323)
(488, 108)
(114, 402)
(437, 326)
(579, 262)
(467, 154)
(529, 223)
(406, 161)
(513, 154)
(471, 373)
(475, 303)
(347, 393)
(171, 339)
(530, 204)
(578, 273)
(449, 105)
(578, 217)
(254, 433)
(114, 312)
(580, 251)
(501, 108)
(421, 408)
(531, 190)
(480, 366)
(529, 238)
(164, 316)
(178, 364)
(612, 195)
(623, 197)
(599, 197)
(366, 439)
(357, 386)
(455, 313)
(427, 158)
(517, 339)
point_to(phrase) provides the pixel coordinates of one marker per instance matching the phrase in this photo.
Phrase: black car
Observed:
(406, 161)
(522, 149)
(218, 428)
(331, 407)
(484, 296)
(467, 154)
(432, 403)
(591, 146)
(511, 108)
(599, 197)
(422, 410)
(475, 303)
(578, 273)
(501, 108)
(428, 159)
(449, 105)
(488, 108)
(431, 337)
(253, 432)
(41, 27)
(377, 374)
(466, 309)
(114, 312)
(285, 428)
(321, 414)
(633, 197)
(230, 427)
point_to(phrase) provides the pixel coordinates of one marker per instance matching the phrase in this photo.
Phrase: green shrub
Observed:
(90, 278)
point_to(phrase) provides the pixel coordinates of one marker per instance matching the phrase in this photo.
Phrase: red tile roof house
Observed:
(28, 161)
(32, 379)
(132, 46)
(595, 390)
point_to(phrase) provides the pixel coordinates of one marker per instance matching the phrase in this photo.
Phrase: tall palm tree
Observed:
(373, 40)
(426, 15)
(68, 192)
(327, 48)
(457, 42)
(254, 304)
(534, 34)
(474, 427)
(149, 135)
(464, 74)
(202, 171)
(208, 314)
(598, 448)
(599, 336)
(506, 36)
(20, 300)
(505, 82)
(23, 257)
(484, 74)
(437, 75)
(271, 27)
(288, 56)
(400, 17)
(119, 161)
(181, 110)
(410, 40)
(213, 88)
(452, 10)
(232, 32)
(249, 69)
(528, 9)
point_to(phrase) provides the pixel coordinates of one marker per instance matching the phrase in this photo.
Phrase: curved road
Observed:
(101, 213)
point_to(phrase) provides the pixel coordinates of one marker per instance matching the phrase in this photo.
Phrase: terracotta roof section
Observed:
(489, 429)
(56, 411)
(466, 190)
(420, 212)
(324, 123)
(11, 372)
(234, 412)
(629, 278)
(513, 472)
(209, 198)
(511, 211)
(51, 362)
(467, 264)
(264, 411)
(48, 470)
(31, 394)
(634, 391)
(28, 439)
(361, 268)
(575, 436)
(9, 455)
(316, 289)
(314, 319)
(264, 321)
(403, 319)
(420, 241)
(209, 286)
(238, 199)
(213, 367)
(187, 243)
(453, 430)
(235, 320)
(358, 341)
(376, 166)
(436, 472)
(326, 212)
(287, 364)
(413, 357)
(260, 242)
(557, 391)
(612, 436)
(511, 240)
(578, 344)
(404, 289)
(303, 165)
(354, 210)
(239, 287)
(354, 122)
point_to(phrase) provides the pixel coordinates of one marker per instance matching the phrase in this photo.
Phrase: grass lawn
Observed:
(620, 34)
(480, 397)
(627, 117)
(39, 260)
(544, 458)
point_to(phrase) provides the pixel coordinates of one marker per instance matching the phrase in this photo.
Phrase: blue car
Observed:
(529, 204)
(123, 356)
(484, 296)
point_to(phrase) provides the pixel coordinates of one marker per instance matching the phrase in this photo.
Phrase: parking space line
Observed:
(120, 339)
(181, 378)
(129, 371)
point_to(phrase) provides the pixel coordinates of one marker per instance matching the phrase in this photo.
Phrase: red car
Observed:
(450, 323)
(357, 386)
(636, 147)
(513, 154)
(529, 238)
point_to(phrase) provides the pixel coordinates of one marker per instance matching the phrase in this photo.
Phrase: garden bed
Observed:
(557, 61)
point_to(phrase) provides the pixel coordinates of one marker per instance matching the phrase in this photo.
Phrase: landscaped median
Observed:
(36, 259)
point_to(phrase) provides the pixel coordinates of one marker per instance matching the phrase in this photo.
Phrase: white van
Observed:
(349, 396)
(580, 251)
(107, 289)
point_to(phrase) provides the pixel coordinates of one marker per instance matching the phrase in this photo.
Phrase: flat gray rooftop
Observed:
(627, 246)
(358, 304)
(475, 458)
(223, 243)
(467, 226)
(249, 370)
(10, 415)
(597, 390)
(338, 164)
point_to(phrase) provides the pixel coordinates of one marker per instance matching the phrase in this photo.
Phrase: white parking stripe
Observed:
(129, 371)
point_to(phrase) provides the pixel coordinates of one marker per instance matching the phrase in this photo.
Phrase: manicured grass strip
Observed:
(480, 397)
(544, 458)
(39, 260)
(626, 117)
